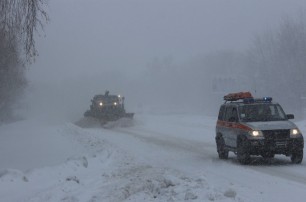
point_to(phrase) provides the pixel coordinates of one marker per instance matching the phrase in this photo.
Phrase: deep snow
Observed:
(159, 157)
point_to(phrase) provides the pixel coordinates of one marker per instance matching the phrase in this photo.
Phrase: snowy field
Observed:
(161, 157)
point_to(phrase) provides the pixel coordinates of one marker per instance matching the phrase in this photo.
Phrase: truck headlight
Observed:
(256, 133)
(100, 104)
(295, 132)
(115, 103)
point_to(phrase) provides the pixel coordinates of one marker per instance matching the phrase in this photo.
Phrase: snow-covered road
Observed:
(169, 157)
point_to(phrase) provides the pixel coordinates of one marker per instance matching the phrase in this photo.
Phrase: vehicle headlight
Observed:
(115, 103)
(295, 132)
(256, 133)
(100, 103)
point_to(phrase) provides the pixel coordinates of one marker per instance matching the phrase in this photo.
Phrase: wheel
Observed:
(243, 154)
(222, 152)
(297, 156)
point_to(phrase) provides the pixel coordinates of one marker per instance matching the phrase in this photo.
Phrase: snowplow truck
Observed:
(107, 108)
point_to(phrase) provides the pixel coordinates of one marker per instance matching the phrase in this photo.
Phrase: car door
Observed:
(231, 118)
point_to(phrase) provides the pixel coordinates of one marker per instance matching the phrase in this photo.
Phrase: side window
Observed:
(228, 113)
(234, 117)
(231, 114)
(221, 113)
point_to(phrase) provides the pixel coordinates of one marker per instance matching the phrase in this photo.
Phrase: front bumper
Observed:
(283, 146)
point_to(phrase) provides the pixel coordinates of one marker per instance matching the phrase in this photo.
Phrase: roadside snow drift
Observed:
(154, 158)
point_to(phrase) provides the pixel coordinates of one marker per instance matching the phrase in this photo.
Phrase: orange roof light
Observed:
(237, 96)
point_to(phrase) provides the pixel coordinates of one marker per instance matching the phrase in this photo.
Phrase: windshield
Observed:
(261, 112)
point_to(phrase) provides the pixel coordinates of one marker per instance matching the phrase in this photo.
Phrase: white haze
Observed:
(152, 52)
(144, 50)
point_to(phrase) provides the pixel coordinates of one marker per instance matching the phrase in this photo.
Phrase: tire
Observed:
(222, 152)
(297, 156)
(243, 154)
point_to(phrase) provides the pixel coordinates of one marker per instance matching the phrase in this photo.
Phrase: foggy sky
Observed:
(86, 36)
(89, 39)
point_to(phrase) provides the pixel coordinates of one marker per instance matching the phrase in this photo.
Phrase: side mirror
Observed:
(290, 116)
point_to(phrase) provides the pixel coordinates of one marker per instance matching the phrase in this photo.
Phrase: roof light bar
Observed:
(264, 99)
(267, 99)
(237, 96)
(246, 97)
(248, 100)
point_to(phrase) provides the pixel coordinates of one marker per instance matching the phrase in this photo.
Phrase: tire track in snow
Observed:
(276, 167)
(209, 151)
(285, 174)
(168, 141)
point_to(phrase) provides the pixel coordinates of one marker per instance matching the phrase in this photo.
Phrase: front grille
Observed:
(276, 135)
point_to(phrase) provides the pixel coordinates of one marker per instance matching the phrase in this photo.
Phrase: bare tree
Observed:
(21, 19)
(12, 79)
(277, 59)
